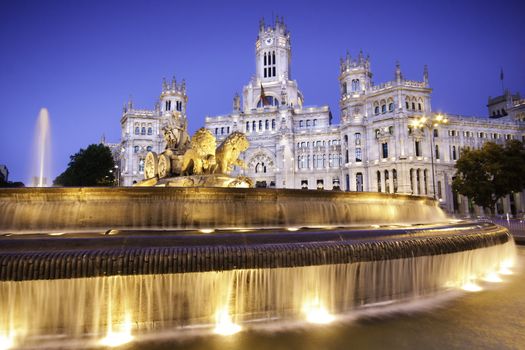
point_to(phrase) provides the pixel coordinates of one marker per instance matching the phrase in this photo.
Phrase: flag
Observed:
(263, 97)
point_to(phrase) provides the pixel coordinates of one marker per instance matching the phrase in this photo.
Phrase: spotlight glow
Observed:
(118, 338)
(471, 287)
(6, 342)
(207, 230)
(317, 313)
(224, 324)
(492, 277)
(293, 229)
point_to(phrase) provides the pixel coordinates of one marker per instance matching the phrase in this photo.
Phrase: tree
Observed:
(490, 173)
(92, 166)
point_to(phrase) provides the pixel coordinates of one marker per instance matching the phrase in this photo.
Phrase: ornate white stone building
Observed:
(375, 147)
(142, 130)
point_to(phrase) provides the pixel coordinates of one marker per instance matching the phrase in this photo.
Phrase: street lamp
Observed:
(430, 124)
(118, 175)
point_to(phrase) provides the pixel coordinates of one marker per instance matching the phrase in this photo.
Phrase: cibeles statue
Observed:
(196, 162)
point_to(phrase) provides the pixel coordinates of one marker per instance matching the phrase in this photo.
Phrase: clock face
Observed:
(268, 41)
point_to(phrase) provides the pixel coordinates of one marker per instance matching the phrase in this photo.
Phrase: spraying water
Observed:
(41, 150)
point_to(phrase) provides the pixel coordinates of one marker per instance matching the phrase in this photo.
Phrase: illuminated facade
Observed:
(374, 148)
(142, 130)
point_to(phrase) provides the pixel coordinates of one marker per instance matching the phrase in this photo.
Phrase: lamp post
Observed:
(430, 124)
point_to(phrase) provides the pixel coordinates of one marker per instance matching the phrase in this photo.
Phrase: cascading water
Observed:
(42, 142)
(108, 305)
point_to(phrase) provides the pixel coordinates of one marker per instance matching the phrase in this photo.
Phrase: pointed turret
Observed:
(173, 83)
(164, 84)
(399, 75)
(425, 74)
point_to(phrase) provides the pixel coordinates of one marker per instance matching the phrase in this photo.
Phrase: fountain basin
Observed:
(84, 209)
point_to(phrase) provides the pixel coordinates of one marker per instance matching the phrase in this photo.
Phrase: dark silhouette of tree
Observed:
(92, 166)
(490, 173)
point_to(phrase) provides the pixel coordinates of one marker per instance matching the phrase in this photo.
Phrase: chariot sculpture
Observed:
(197, 161)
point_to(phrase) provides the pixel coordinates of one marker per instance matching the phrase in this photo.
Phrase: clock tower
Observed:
(272, 52)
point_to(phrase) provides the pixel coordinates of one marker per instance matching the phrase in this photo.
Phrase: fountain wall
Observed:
(77, 209)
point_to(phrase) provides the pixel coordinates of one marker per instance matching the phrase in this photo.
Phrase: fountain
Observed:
(106, 265)
(41, 150)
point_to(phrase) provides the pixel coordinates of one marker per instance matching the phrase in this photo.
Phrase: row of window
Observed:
(269, 64)
(142, 131)
(136, 149)
(355, 87)
(318, 161)
(387, 180)
(320, 184)
(383, 108)
(222, 130)
(307, 123)
(319, 143)
(418, 175)
(481, 135)
(262, 125)
(178, 105)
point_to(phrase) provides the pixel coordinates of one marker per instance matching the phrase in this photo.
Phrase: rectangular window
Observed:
(418, 148)
(358, 155)
(385, 149)
(439, 194)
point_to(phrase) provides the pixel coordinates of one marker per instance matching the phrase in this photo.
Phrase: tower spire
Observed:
(399, 75)
(425, 74)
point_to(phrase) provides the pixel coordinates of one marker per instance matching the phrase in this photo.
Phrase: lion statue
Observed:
(227, 154)
(200, 158)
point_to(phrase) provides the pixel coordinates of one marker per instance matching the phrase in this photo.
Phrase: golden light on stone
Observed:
(224, 324)
(292, 229)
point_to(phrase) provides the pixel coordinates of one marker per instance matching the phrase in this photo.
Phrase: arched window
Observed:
(260, 168)
(273, 124)
(419, 106)
(378, 175)
(418, 180)
(394, 179)
(143, 131)
(436, 133)
(267, 124)
(228, 130)
(391, 107)
(136, 149)
(149, 148)
(260, 125)
(407, 105)
(315, 122)
(343, 88)
(141, 165)
(436, 150)
(308, 122)
(301, 123)
(413, 106)
(268, 101)
(359, 182)
(376, 110)
(137, 130)
(222, 130)
(454, 155)
(387, 182)
(425, 175)
(383, 109)
(412, 181)
(216, 131)
(254, 126)
(247, 127)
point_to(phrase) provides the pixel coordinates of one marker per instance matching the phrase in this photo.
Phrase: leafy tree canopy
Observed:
(92, 166)
(487, 174)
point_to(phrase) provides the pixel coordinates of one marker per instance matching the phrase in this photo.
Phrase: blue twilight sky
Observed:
(83, 59)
